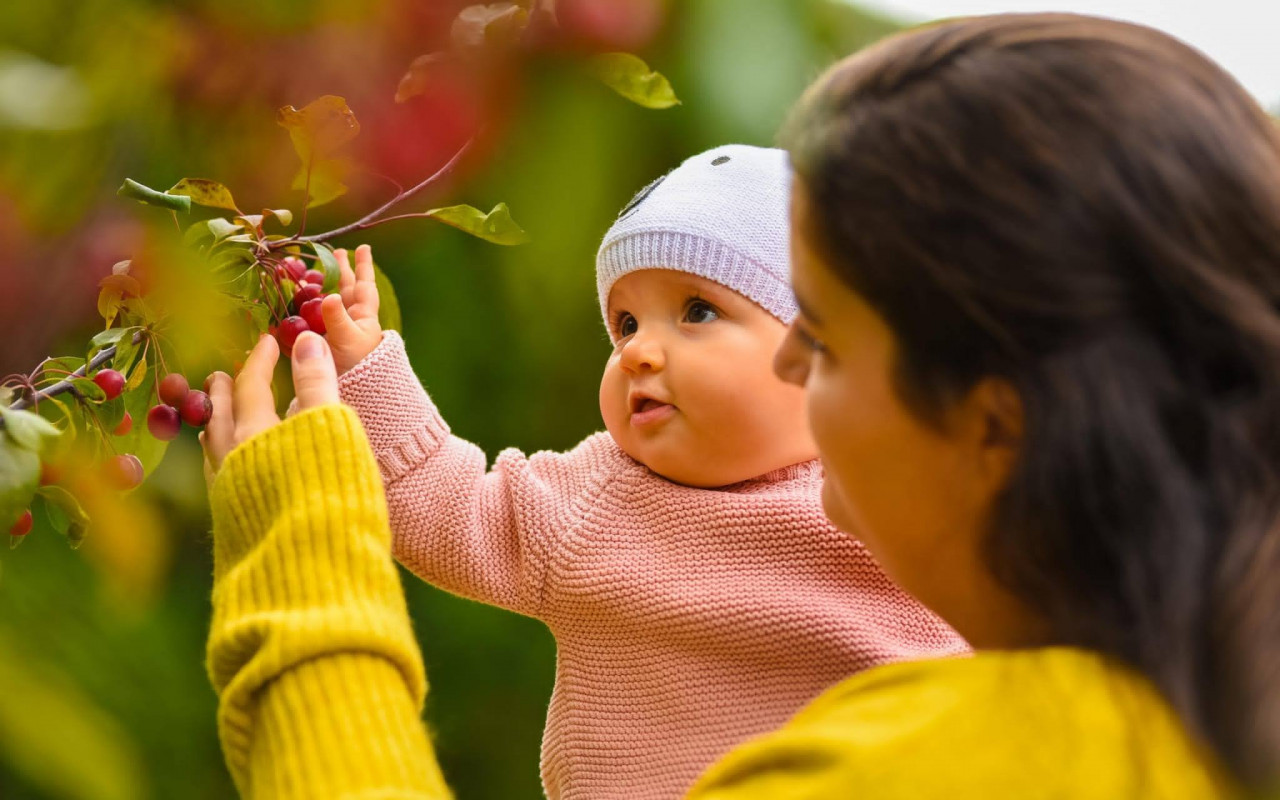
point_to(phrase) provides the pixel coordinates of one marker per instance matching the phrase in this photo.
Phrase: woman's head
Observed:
(1056, 240)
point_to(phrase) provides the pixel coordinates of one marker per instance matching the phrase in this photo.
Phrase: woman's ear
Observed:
(994, 426)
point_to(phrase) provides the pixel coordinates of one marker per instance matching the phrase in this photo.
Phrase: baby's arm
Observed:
(481, 534)
(478, 533)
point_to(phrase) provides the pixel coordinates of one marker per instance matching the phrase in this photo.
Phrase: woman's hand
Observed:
(246, 406)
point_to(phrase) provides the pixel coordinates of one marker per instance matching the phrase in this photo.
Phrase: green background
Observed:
(102, 689)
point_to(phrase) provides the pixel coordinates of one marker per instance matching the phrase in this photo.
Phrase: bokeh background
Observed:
(102, 689)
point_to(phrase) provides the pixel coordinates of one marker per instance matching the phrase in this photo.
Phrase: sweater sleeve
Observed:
(319, 679)
(480, 533)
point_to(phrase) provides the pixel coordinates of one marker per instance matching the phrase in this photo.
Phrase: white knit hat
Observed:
(721, 215)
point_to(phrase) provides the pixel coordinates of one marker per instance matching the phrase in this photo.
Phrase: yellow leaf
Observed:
(205, 192)
(328, 181)
(319, 128)
(630, 77)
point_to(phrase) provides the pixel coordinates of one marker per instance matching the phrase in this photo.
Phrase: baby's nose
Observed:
(643, 353)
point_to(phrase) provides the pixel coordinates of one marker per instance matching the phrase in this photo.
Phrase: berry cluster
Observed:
(304, 309)
(178, 404)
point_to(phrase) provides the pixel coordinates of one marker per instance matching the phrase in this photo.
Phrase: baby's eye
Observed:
(700, 311)
(625, 325)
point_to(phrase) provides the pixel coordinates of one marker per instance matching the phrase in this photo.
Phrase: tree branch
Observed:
(103, 356)
(369, 219)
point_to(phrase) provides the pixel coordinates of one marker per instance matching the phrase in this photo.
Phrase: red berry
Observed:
(295, 267)
(23, 526)
(126, 425)
(290, 329)
(124, 472)
(307, 291)
(310, 312)
(173, 388)
(163, 422)
(314, 276)
(110, 382)
(196, 409)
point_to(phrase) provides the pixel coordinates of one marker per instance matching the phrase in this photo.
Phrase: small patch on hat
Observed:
(630, 208)
(720, 160)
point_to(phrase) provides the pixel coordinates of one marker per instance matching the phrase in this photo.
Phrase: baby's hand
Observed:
(351, 315)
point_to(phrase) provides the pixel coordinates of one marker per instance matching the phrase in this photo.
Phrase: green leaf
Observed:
(19, 477)
(111, 413)
(108, 338)
(61, 366)
(27, 429)
(221, 228)
(145, 194)
(204, 192)
(89, 390)
(388, 303)
(126, 349)
(63, 508)
(138, 399)
(497, 226)
(284, 215)
(319, 128)
(630, 77)
(328, 265)
(328, 181)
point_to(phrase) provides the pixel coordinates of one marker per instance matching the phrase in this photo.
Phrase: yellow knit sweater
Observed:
(321, 683)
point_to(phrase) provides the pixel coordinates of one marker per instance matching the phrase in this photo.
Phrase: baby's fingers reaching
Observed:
(346, 278)
(365, 292)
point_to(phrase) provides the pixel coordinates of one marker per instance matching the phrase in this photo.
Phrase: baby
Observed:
(697, 594)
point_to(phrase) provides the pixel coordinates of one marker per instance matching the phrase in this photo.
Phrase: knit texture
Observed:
(320, 683)
(721, 215)
(687, 620)
(311, 652)
(1038, 724)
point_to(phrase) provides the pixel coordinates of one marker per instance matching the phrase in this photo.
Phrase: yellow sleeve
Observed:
(319, 679)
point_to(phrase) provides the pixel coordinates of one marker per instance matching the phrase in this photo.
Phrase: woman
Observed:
(1038, 259)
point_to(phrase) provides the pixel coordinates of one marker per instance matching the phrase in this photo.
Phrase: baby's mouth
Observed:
(647, 410)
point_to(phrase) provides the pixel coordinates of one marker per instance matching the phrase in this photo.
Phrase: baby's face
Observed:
(690, 391)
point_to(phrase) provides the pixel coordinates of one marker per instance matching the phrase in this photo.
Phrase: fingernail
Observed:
(308, 347)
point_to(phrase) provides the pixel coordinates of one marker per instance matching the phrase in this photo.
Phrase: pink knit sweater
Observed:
(687, 620)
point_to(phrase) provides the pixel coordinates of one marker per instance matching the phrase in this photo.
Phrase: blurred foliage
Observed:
(102, 688)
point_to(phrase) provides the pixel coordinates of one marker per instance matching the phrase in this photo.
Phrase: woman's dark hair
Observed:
(1091, 210)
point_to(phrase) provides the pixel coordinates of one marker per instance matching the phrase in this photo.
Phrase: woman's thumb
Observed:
(315, 378)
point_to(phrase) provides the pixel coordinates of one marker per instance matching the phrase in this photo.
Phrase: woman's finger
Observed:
(218, 437)
(254, 403)
(315, 378)
(346, 278)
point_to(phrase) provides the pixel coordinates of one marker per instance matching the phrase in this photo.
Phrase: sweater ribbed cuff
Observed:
(404, 427)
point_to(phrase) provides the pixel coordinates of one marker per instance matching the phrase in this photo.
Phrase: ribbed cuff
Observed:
(697, 255)
(404, 427)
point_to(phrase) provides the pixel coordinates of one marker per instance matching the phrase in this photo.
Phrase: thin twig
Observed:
(365, 221)
(103, 356)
